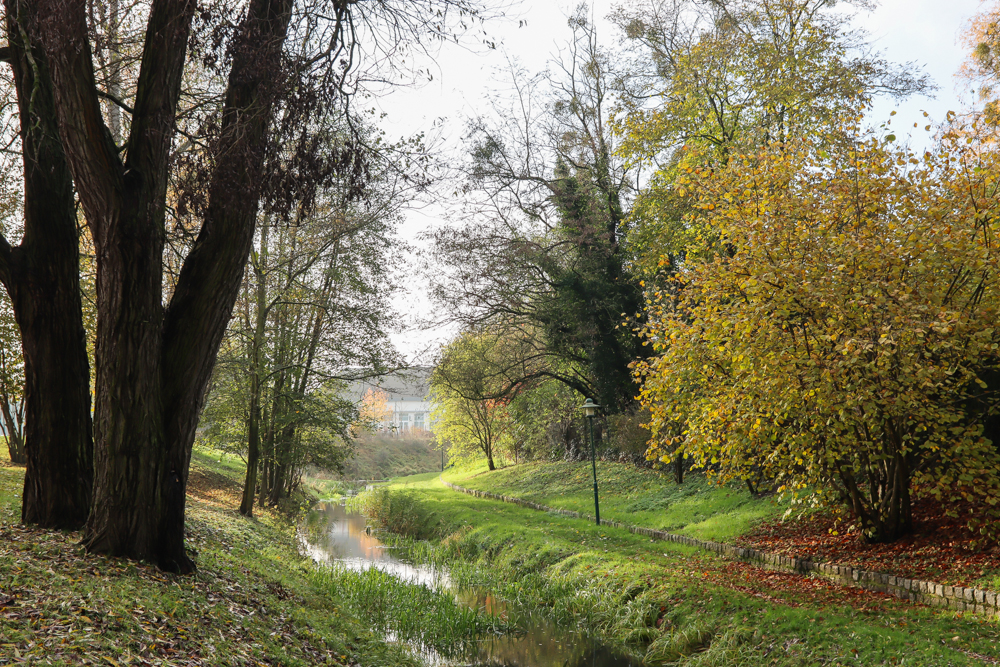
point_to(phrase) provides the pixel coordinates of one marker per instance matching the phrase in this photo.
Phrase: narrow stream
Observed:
(334, 535)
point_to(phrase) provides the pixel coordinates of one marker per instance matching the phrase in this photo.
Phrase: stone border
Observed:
(958, 598)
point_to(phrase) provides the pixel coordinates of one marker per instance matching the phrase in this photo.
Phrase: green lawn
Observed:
(629, 495)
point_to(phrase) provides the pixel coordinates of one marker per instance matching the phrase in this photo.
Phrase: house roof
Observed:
(412, 384)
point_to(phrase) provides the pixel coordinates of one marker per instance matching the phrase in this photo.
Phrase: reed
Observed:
(411, 613)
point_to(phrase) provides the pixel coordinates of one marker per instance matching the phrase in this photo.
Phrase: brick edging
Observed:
(958, 598)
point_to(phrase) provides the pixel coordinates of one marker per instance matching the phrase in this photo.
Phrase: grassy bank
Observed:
(381, 456)
(630, 495)
(253, 601)
(677, 605)
(937, 550)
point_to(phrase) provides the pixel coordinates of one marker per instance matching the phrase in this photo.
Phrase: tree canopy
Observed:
(471, 413)
(709, 80)
(838, 339)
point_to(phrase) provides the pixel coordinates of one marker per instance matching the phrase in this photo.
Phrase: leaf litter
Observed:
(248, 603)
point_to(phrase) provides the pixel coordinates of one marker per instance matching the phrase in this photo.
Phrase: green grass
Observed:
(224, 463)
(629, 495)
(11, 482)
(695, 609)
(326, 488)
(252, 601)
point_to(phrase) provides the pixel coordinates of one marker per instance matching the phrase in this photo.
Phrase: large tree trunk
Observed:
(42, 277)
(153, 366)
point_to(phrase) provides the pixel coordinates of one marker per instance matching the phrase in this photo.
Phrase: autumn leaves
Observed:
(838, 336)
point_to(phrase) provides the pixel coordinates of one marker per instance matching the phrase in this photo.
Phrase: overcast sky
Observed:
(925, 32)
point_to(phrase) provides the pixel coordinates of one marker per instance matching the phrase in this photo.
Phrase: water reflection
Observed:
(334, 535)
(331, 534)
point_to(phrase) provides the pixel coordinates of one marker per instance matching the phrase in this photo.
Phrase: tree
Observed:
(11, 358)
(744, 73)
(12, 385)
(327, 321)
(470, 413)
(41, 275)
(155, 355)
(374, 412)
(836, 339)
(982, 66)
(710, 79)
(547, 422)
(313, 312)
(543, 254)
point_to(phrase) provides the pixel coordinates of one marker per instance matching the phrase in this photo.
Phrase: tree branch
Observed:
(90, 149)
(111, 98)
(157, 92)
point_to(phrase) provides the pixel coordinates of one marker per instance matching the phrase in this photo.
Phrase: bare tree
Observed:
(543, 252)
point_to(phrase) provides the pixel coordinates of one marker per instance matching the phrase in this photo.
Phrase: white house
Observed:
(406, 398)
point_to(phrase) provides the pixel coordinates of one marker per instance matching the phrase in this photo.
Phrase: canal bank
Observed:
(676, 605)
(401, 595)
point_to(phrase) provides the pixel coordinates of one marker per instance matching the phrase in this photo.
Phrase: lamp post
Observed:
(590, 411)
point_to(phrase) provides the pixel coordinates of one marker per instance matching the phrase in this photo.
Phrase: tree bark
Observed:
(42, 277)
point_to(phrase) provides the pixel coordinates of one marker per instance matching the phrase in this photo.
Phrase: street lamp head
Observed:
(590, 408)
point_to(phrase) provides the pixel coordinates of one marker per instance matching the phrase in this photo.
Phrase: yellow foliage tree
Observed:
(374, 412)
(837, 339)
(730, 76)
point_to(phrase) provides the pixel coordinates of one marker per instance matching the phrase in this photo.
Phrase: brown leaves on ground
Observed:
(793, 590)
(212, 487)
(59, 605)
(938, 550)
